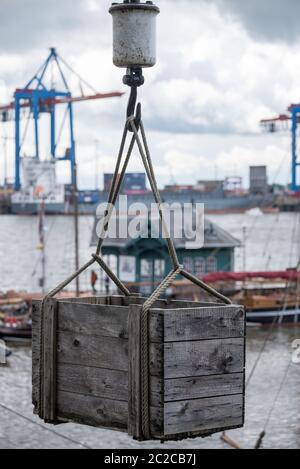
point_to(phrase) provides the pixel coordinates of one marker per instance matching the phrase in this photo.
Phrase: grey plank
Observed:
(204, 323)
(134, 378)
(49, 360)
(91, 381)
(156, 326)
(95, 320)
(182, 304)
(36, 316)
(93, 411)
(117, 300)
(200, 358)
(100, 352)
(181, 389)
(103, 413)
(157, 391)
(203, 415)
(112, 320)
(167, 304)
(90, 300)
(156, 357)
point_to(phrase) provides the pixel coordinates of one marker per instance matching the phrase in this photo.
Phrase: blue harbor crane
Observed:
(282, 122)
(40, 98)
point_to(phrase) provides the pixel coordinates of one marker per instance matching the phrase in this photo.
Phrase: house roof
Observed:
(214, 237)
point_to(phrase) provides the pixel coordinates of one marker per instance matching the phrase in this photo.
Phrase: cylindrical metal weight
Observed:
(134, 34)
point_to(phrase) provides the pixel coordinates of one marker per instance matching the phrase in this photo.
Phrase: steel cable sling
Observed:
(134, 126)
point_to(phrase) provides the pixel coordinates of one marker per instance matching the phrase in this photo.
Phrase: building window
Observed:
(200, 265)
(146, 268)
(188, 264)
(211, 264)
(159, 268)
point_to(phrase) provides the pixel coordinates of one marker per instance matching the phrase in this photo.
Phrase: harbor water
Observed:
(272, 243)
(272, 398)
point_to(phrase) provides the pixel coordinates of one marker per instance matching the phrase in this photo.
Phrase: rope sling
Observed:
(135, 126)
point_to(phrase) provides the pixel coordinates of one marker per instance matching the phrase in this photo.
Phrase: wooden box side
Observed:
(92, 364)
(204, 370)
(36, 317)
(44, 359)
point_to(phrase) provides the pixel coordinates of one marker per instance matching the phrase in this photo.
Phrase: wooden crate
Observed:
(90, 365)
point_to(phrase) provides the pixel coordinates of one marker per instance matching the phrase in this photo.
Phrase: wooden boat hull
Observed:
(10, 332)
(277, 317)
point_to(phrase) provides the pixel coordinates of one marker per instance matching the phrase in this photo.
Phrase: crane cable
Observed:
(224, 437)
(82, 80)
(282, 383)
(271, 235)
(46, 241)
(263, 433)
(25, 130)
(274, 181)
(62, 127)
(250, 231)
(29, 420)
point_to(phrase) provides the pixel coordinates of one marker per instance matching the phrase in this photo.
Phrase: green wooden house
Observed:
(144, 262)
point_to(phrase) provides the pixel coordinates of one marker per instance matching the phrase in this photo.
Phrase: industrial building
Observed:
(258, 180)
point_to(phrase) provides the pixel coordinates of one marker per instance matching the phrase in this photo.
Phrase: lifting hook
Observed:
(134, 79)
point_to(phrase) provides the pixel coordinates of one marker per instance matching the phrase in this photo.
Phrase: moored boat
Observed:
(269, 297)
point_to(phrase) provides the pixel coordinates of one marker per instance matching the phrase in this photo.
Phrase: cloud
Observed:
(222, 66)
(31, 24)
(271, 20)
(240, 158)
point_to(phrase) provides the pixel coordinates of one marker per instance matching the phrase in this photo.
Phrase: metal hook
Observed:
(134, 79)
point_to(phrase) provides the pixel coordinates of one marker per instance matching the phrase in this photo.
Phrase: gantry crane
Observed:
(40, 98)
(282, 122)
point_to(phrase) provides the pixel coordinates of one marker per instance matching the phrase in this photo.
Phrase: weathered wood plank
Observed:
(203, 415)
(117, 300)
(91, 381)
(95, 320)
(137, 300)
(36, 317)
(100, 352)
(104, 321)
(49, 359)
(112, 321)
(90, 300)
(200, 358)
(97, 412)
(204, 323)
(134, 377)
(94, 411)
(182, 389)
(182, 304)
(166, 304)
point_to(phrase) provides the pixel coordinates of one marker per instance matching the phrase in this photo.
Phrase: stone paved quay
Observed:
(19, 428)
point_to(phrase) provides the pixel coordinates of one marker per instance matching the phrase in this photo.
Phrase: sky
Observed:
(222, 66)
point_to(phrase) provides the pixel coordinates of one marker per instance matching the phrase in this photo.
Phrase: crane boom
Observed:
(67, 100)
(280, 118)
(40, 96)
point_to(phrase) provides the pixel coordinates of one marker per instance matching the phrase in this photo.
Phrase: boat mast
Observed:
(76, 226)
(42, 244)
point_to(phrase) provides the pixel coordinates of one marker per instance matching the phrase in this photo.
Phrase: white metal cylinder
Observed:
(134, 34)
